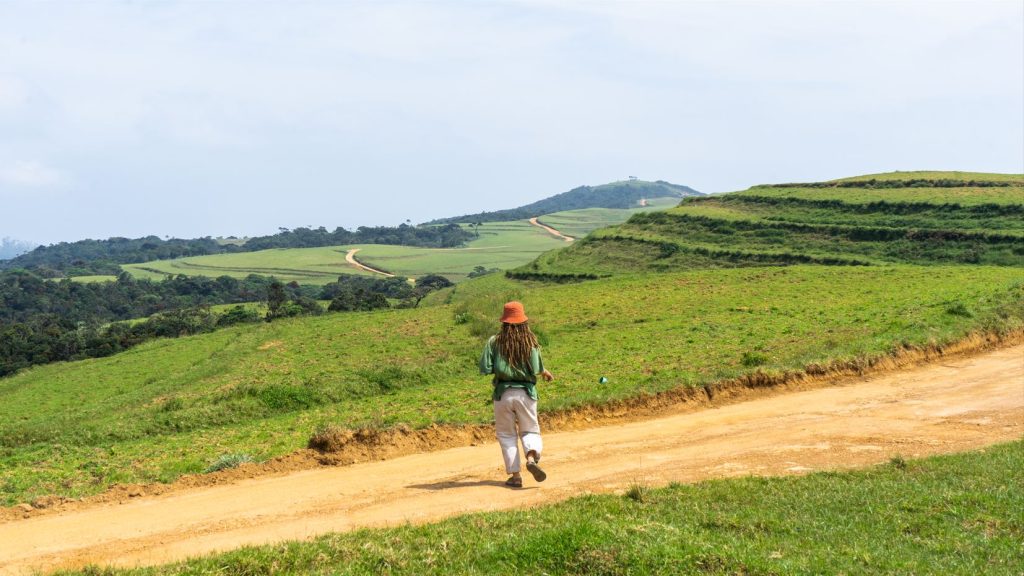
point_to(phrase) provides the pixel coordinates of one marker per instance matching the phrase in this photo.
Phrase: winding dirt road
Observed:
(950, 406)
(350, 257)
(552, 231)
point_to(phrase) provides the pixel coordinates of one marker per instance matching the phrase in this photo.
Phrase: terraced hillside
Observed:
(906, 217)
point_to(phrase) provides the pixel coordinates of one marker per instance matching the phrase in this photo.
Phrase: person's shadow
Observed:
(449, 484)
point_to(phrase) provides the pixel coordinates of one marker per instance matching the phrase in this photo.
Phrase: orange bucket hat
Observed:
(513, 313)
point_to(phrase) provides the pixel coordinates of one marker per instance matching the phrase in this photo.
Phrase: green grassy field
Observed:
(937, 175)
(500, 245)
(97, 278)
(170, 407)
(965, 196)
(304, 265)
(769, 225)
(956, 514)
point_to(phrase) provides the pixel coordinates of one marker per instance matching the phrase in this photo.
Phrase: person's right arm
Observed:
(537, 363)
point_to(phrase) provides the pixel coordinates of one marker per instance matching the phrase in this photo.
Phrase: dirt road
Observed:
(951, 406)
(552, 231)
(350, 257)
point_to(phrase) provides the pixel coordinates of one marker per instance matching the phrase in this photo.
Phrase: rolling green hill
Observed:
(862, 222)
(622, 195)
(501, 245)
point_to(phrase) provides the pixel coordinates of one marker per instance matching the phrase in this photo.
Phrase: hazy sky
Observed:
(235, 118)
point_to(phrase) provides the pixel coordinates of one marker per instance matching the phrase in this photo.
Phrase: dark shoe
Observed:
(534, 469)
(514, 482)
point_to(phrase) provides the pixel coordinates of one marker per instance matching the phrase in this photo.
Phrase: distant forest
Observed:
(104, 257)
(625, 194)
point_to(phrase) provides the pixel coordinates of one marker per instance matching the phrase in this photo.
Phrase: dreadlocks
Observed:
(515, 341)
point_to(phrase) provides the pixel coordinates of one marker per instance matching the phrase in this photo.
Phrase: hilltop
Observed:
(622, 194)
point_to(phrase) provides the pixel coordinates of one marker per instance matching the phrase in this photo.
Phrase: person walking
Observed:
(513, 357)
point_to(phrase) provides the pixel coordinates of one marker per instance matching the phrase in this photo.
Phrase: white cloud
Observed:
(30, 174)
(12, 93)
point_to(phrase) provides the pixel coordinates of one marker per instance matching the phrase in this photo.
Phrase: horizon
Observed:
(221, 121)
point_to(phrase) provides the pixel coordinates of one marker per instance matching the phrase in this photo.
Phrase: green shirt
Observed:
(506, 376)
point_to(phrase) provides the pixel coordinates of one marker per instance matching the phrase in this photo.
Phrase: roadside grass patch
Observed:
(638, 492)
(956, 514)
(753, 359)
(227, 461)
(959, 309)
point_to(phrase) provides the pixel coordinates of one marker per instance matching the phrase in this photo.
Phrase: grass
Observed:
(956, 514)
(966, 196)
(96, 278)
(500, 245)
(938, 175)
(171, 407)
(304, 265)
(734, 207)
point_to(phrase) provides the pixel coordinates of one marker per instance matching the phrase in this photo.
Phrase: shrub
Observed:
(637, 492)
(238, 315)
(752, 359)
(958, 309)
(227, 461)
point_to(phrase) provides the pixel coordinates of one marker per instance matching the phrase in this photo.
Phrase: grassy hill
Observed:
(170, 407)
(621, 195)
(920, 218)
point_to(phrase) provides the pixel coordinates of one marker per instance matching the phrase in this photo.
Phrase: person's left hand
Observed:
(547, 375)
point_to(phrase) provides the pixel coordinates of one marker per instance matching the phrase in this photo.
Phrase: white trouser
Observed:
(516, 406)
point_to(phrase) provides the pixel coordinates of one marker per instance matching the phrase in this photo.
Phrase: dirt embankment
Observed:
(826, 422)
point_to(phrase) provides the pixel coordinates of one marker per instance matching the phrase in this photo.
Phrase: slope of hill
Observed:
(174, 406)
(623, 194)
(928, 218)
